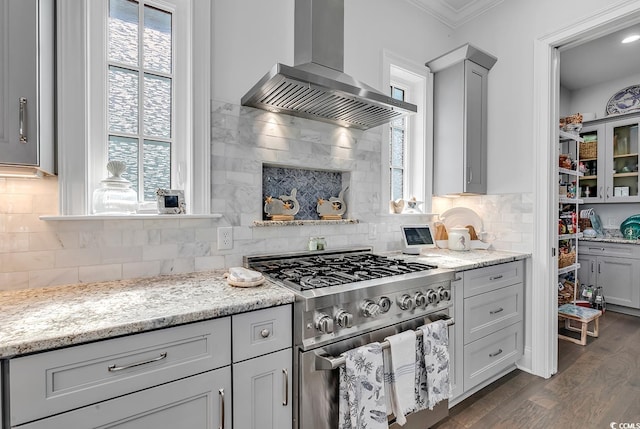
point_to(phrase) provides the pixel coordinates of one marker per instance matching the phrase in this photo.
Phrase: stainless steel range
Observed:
(345, 299)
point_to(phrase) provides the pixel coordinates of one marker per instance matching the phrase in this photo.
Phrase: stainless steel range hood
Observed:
(316, 87)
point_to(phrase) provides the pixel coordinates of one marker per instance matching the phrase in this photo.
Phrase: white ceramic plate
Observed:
(461, 216)
(625, 100)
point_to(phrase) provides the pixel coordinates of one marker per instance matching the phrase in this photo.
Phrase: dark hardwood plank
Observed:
(595, 385)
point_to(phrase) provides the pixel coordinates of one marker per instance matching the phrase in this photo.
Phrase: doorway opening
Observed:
(544, 342)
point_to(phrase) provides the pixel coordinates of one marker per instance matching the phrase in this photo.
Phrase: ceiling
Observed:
(600, 60)
(455, 12)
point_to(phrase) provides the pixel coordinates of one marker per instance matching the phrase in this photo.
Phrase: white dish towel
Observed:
(401, 378)
(435, 337)
(362, 402)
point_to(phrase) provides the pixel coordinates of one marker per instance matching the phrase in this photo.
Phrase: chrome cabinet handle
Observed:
(601, 187)
(598, 267)
(592, 269)
(221, 396)
(265, 333)
(496, 311)
(285, 373)
(495, 353)
(23, 108)
(498, 277)
(114, 368)
(608, 190)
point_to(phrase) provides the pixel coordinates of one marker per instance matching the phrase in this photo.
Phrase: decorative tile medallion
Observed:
(311, 185)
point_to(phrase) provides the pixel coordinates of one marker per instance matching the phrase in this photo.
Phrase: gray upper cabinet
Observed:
(460, 121)
(27, 78)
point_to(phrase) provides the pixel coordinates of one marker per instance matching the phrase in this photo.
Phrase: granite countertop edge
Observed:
(615, 240)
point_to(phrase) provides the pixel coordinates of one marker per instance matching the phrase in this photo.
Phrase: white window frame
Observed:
(82, 95)
(418, 84)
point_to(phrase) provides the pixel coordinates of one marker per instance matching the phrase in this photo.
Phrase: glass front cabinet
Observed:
(609, 161)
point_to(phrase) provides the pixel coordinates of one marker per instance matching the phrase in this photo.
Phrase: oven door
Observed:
(317, 395)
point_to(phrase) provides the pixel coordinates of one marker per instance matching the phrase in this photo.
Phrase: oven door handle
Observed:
(324, 363)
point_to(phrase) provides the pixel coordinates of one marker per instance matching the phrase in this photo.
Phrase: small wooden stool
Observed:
(583, 315)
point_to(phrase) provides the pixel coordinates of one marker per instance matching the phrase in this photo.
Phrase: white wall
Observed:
(508, 32)
(595, 98)
(250, 36)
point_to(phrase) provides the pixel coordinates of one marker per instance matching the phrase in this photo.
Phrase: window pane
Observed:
(157, 40)
(157, 167)
(397, 147)
(123, 31)
(397, 93)
(123, 100)
(157, 106)
(396, 183)
(126, 149)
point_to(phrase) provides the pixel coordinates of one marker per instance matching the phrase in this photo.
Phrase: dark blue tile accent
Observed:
(311, 185)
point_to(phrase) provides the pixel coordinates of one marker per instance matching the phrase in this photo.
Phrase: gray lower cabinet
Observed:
(262, 361)
(614, 267)
(27, 126)
(193, 402)
(488, 335)
(152, 379)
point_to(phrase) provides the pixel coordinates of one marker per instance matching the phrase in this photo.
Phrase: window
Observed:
(397, 150)
(126, 73)
(140, 94)
(408, 157)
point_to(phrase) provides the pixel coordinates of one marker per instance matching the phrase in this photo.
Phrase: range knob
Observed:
(445, 294)
(324, 323)
(432, 297)
(370, 308)
(420, 299)
(385, 304)
(405, 302)
(344, 319)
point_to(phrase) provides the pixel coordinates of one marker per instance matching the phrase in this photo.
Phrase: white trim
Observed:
(71, 106)
(132, 217)
(544, 296)
(419, 80)
(201, 114)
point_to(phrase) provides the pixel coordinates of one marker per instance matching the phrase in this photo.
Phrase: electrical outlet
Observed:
(225, 238)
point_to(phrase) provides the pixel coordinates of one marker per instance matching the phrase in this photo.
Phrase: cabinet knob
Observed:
(265, 333)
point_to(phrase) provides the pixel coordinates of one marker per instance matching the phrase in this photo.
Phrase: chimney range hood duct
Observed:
(316, 87)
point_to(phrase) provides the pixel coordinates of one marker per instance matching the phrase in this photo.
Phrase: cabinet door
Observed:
(197, 402)
(592, 183)
(621, 166)
(18, 71)
(262, 392)
(475, 145)
(620, 280)
(587, 271)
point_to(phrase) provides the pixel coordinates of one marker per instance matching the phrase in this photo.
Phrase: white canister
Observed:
(459, 239)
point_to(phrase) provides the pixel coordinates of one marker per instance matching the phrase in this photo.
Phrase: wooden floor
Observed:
(596, 385)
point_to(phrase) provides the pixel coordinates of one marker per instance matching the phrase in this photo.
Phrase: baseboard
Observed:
(524, 364)
(624, 310)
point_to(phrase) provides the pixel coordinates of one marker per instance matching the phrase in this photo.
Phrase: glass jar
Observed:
(321, 243)
(115, 196)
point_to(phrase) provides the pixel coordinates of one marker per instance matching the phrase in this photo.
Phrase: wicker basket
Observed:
(565, 295)
(588, 150)
(566, 259)
(584, 224)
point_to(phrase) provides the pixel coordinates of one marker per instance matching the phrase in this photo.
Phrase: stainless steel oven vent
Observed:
(316, 87)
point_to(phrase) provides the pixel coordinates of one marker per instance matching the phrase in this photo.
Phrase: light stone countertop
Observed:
(34, 320)
(616, 240)
(464, 260)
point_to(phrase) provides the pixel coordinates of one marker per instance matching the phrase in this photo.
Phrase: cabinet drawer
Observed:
(260, 332)
(609, 249)
(492, 354)
(489, 312)
(487, 279)
(192, 402)
(52, 382)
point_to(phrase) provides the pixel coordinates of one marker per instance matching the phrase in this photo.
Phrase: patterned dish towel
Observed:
(362, 402)
(435, 337)
(401, 378)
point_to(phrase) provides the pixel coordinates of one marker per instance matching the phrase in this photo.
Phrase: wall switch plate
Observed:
(225, 238)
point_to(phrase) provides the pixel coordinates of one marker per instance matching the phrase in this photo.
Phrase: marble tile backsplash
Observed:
(36, 253)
